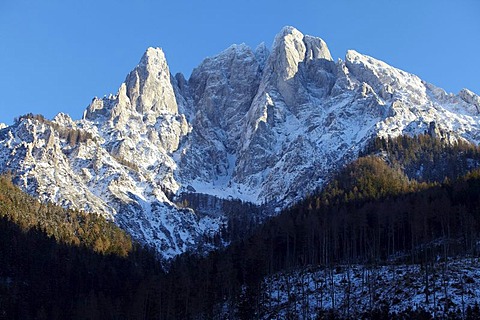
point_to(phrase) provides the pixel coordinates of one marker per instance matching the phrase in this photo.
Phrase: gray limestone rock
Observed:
(262, 126)
(470, 98)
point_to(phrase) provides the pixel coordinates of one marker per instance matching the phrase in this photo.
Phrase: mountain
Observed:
(409, 249)
(266, 127)
(65, 226)
(62, 264)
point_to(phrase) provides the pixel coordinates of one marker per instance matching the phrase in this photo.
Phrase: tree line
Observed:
(71, 135)
(67, 226)
(371, 213)
(424, 158)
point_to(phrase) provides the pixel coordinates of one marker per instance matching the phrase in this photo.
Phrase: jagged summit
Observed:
(263, 126)
(146, 94)
(148, 85)
(311, 48)
(291, 47)
(470, 98)
(153, 57)
(286, 30)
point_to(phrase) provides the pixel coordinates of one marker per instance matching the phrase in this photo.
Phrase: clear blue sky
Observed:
(56, 55)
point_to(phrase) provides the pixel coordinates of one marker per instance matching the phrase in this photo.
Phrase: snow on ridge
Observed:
(355, 289)
(261, 126)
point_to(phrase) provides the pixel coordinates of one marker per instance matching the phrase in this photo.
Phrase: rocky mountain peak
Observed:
(224, 85)
(153, 58)
(146, 95)
(148, 86)
(64, 120)
(263, 126)
(291, 47)
(316, 49)
(386, 81)
(470, 98)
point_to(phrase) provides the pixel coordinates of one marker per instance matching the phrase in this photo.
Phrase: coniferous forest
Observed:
(404, 201)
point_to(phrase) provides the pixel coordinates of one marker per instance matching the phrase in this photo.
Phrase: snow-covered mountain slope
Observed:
(351, 291)
(263, 126)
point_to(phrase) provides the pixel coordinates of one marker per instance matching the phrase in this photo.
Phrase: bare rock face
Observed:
(262, 126)
(470, 98)
(222, 88)
(294, 62)
(298, 73)
(291, 48)
(149, 87)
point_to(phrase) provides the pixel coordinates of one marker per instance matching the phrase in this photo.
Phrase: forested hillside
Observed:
(66, 226)
(43, 279)
(425, 158)
(372, 215)
(63, 264)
